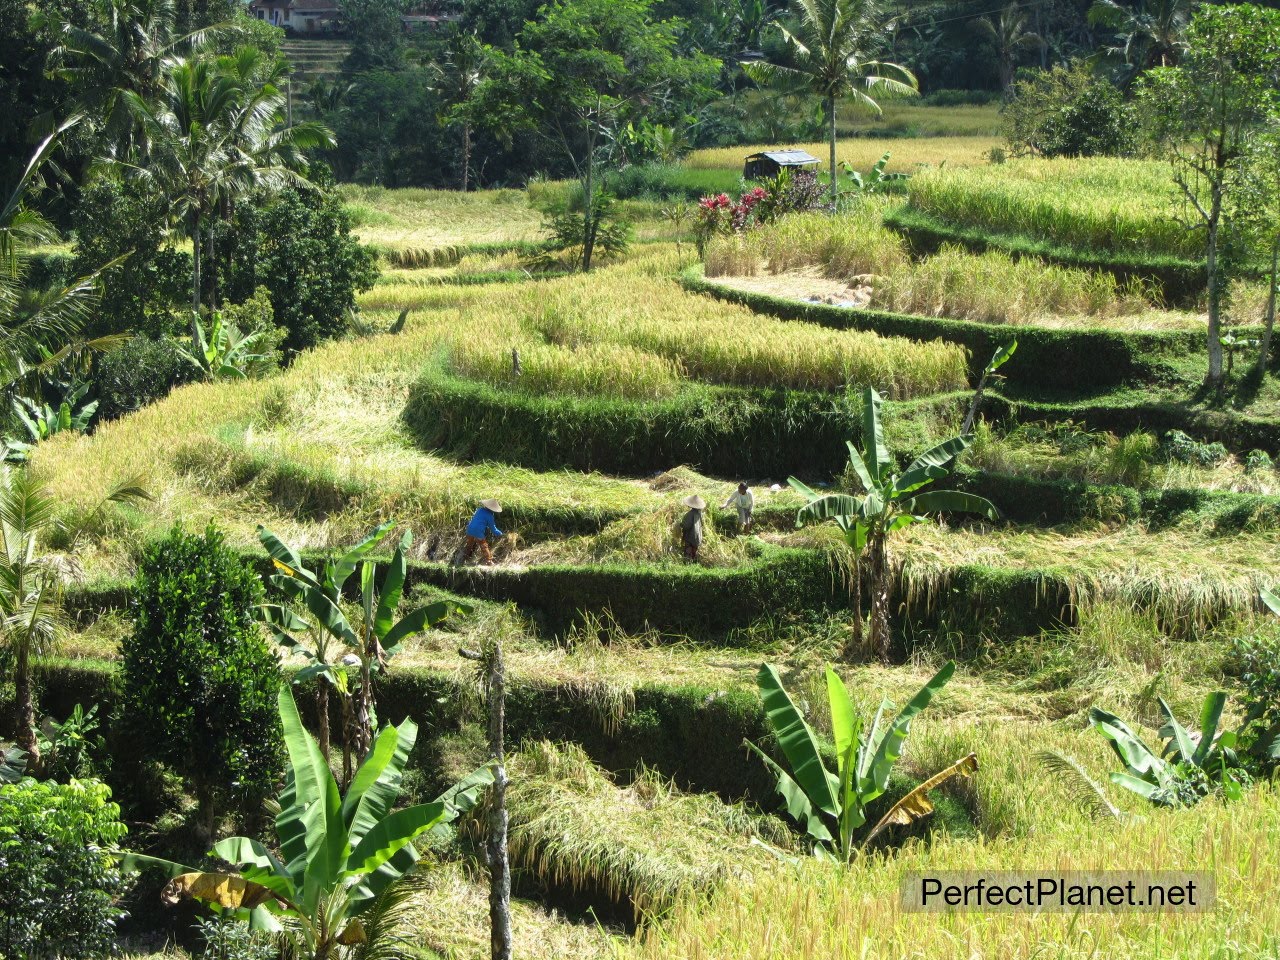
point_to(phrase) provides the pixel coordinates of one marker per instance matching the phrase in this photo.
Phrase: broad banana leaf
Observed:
(1001, 357)
(389, 834)
(875, 453)
(1139, 786)
(1128, 746)
(329, 615)
(829, 507)
(890, 748)
(938, 456)
(1210, 717)
(1177, 733)
(286, 558)
(842, 717)
(798, 743)
(860, 466)
(312, 833)
(799, 806)
(917, 804)
(916, 478)
(217, 889)
(392, 589)
(951, 501)
(336, 574)
(419, 620)
(376, 785)
(1272, 599)
(258, 864)
(465, 794)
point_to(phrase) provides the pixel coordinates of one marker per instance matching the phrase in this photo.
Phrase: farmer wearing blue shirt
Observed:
(482, 524)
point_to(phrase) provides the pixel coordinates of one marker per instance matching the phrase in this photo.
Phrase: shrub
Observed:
(1177, 447)
(1068, 112)
(1256, 461)
(298, 245)
(199, 680)
(141, 371)
(1258, 658)
(58, 874)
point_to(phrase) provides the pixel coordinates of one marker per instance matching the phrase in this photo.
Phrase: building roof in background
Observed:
(787, 158)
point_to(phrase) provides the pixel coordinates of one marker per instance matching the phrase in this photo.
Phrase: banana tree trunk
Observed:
(322, 716)
(854, 647)
(195, 281)
(880, 640)
(1212, 269)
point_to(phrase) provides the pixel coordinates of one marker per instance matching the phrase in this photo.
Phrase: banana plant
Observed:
(889, 502)
(223, 352)
(876, 179)
(340, 858)
(832, 805)
(1271, 599)
(998, 360)
(42, 421)
(1187, 767)
(371, 639)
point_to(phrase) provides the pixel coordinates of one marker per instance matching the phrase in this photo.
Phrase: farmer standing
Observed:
(691, 526)
(482, 524)
(745, 501)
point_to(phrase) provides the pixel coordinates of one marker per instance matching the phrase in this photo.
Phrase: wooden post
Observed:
(493, 673)
(516, 370)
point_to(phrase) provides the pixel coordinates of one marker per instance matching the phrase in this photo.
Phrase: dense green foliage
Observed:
(1068, 112)
(299, 247)
(58, 874)
(199, 678)
(139, 372)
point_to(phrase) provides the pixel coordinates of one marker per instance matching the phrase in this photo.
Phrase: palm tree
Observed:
(1010, 36)
(830, 42)
(1149, 34)
(38, 328)
(456, 78)
(123, 50)
(215, 133)
(31, 612)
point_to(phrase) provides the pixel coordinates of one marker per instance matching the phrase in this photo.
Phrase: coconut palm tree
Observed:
(830, 45)
(1148, 34)
(216, 132)
(455, 77)
(38, 328)
(1010, 36)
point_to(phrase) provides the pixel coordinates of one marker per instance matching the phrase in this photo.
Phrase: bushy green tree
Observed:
(200, 679)
(114, 219)
(299, 246)
(141, 371)
(1204, 113)
(58, 875)
(1068, 111)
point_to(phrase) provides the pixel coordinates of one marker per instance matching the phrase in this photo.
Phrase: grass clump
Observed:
(646, 845)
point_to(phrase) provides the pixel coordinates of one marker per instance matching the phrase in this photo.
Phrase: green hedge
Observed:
(1047, 359)
(1126, 411)
(730, 432)
(692, 733)
(1182, 281)
(700, 602)
(1046, 501)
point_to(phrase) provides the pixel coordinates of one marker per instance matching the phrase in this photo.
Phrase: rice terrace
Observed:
(639, 479)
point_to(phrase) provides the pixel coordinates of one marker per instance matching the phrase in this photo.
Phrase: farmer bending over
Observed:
(478, 530)
(745, 501)
(691, 526)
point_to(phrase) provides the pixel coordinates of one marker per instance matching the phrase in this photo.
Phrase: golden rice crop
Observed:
(994, 287)
(592, 369)
(906, 155)
(1095, 204)
(422, 222)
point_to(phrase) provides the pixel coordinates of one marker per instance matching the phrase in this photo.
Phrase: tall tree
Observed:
(456, 76)
(216, 132)
(1204, 113)
(583, 70)
(830, 45)
(1010, 35)
(1150, 33)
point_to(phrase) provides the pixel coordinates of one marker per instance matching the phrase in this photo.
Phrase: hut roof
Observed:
(787, 158)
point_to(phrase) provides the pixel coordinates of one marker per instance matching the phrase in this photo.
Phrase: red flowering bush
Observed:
(719, 214)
